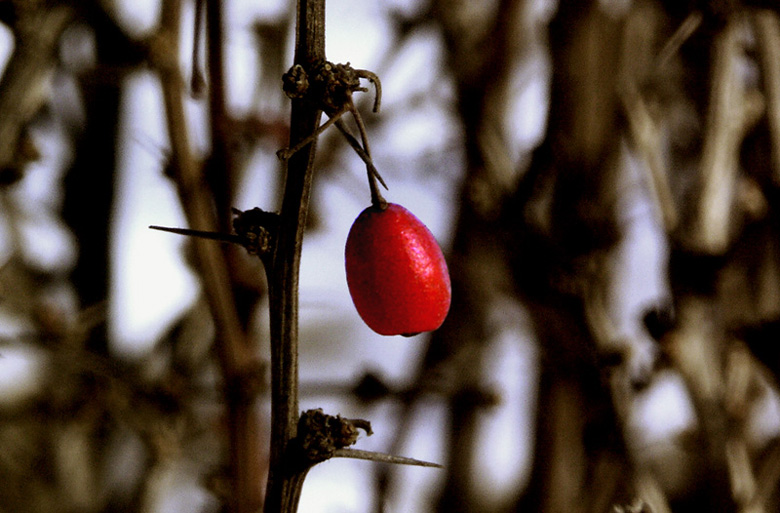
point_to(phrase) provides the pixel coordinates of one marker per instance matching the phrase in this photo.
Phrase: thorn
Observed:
(222, 237)
(286, 153)
(383, 458)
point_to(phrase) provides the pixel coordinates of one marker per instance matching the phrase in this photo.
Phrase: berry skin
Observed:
(396, 272)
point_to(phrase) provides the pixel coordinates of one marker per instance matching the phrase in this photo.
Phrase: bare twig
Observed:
(376, 196)
(374, 79)
(683, 32)
(355, 144)
(286, 153)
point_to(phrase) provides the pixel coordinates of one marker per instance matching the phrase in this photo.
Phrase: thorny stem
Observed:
(331, 87)
(284, 482)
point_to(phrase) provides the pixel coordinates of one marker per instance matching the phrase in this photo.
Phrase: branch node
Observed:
(320, 435)
(295, 82)
(329, 86)
(255, 230)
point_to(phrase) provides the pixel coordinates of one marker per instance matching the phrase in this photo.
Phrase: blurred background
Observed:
(602, 176)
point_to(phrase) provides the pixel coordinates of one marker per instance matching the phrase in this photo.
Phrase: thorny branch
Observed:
(314, 85)
(284, 483)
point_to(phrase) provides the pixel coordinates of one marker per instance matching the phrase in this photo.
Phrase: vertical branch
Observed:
(235, 359)
(196, 204)
(246, 465)
(284, 482)
(567, 228)
(221, 168)
(767, 28)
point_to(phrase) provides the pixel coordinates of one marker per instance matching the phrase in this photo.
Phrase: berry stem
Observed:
(377, 200)
(360, 151)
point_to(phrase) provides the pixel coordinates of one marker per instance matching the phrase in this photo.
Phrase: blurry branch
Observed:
(198, 79)
(767, 29)
(684, 31)
(648, 137)
(739, 379)
(566, 230)
(767, 477)
(696, 348)
(232, 351)
(732, 112)
(719, 374)
(240, 370)
(95, 147)
(87, 403)
(699, 346)
(646, 131)
(247, 467)
(24, 85)
(220, 170)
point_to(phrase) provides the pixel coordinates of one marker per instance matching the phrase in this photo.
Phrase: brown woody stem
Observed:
(285, 479)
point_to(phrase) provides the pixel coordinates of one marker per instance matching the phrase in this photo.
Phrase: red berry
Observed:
(396, 272)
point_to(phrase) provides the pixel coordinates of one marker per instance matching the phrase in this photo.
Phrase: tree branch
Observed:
(22, 92)
(285, 481)
(238, 365)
